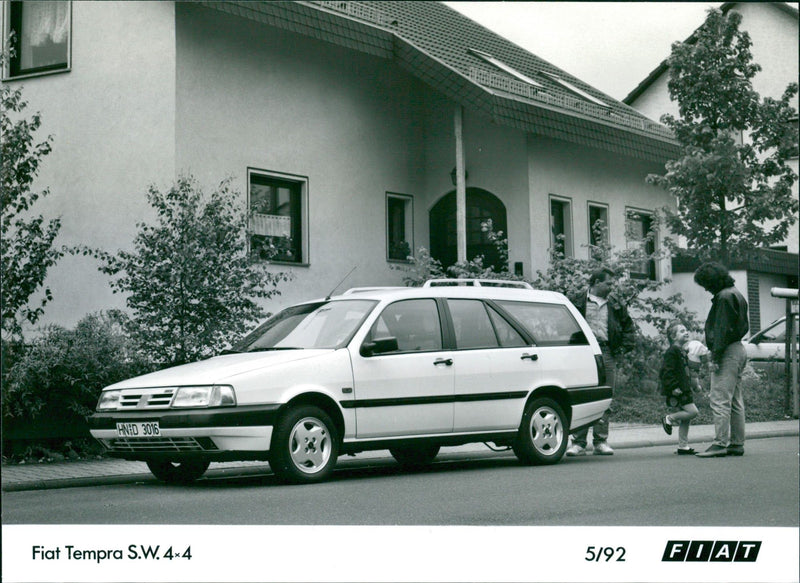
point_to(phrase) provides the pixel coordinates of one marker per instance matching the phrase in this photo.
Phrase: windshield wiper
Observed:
(270, 348)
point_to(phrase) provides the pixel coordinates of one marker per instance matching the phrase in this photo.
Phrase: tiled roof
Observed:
(433, 42)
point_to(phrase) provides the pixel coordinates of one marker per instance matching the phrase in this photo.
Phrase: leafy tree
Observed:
(26, 239)
(732, 197)
(190, 284)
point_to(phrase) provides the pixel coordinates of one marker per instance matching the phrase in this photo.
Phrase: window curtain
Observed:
(43, 24)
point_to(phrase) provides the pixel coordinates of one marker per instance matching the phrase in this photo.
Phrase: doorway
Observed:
(481, 206)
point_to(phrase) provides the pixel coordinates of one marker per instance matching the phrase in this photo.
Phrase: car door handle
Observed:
(445, 361)
(529, 356)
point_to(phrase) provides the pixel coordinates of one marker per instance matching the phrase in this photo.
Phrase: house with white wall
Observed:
(354, 131)
(773, 30)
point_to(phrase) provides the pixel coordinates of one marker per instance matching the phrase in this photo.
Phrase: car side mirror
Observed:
(379, 346)
(756, 340)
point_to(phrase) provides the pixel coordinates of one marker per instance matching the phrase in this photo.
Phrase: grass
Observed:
(638, 401)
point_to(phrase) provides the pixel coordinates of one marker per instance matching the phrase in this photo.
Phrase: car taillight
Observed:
(601, 369)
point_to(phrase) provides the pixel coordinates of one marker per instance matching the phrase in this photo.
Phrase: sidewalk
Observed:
(112, 471)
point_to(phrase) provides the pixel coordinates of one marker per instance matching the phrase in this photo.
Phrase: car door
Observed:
(494, 368)
(408, 391)
(564, 356)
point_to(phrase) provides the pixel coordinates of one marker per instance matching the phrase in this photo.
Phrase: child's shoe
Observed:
(666, 424)
(685, 451)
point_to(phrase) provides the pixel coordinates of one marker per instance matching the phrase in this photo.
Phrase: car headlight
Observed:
(108, 400)
(216, 396)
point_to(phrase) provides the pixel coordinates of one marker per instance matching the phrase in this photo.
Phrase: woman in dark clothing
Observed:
(676, 385)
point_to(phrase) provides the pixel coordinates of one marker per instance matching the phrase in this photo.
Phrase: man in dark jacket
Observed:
(726, 325)
(614, 330)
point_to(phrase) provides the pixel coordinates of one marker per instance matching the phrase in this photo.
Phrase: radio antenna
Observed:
(340, 283)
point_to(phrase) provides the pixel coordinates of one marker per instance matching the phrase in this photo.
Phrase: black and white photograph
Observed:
(399, 291)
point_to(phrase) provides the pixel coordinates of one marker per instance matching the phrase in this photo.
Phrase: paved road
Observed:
(636, 487)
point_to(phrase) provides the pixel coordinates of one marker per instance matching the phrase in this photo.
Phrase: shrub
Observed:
(59, 376)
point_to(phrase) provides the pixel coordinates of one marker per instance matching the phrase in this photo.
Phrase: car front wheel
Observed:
(305, 445)
(182, 472)
(542, 437)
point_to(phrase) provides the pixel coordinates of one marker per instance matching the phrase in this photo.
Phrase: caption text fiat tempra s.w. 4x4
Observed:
(404, 369)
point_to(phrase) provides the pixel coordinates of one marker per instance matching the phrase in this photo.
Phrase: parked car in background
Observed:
(405, 369)
(769, 344)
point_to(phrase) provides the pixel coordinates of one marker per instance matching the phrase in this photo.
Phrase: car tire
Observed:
(543, 434)
(182, 472)
(305, 446)
(414, 456)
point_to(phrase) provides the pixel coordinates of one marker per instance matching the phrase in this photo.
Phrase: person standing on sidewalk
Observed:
(614, 330)
(726, 325)
(676, 385)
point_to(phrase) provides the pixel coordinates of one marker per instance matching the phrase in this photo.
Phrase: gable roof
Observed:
(442, 47)
(662, 67)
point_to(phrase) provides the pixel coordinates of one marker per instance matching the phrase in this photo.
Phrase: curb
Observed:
(56, 483)
(671, 440)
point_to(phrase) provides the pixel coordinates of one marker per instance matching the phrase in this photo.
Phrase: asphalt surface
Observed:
(40, 476)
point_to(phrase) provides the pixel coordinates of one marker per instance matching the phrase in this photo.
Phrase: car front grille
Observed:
(159, 444)
(158, 398)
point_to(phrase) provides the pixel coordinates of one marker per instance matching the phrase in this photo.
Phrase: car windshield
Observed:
(318, 325)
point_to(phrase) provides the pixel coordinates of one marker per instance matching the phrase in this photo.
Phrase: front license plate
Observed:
(140, 429)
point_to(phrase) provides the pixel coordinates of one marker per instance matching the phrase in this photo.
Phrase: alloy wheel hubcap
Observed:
(310, 445)
(547, 433)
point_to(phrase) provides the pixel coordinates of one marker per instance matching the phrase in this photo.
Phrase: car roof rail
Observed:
(357, 290)
(477, 283)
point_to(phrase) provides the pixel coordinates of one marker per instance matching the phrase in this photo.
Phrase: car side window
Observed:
(472, 325)
(549, 324)
(415, 324)
(508, 337)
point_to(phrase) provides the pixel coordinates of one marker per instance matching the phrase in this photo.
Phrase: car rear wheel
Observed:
(414, 456)
(305, 445)
(182, 472)
(542, 437)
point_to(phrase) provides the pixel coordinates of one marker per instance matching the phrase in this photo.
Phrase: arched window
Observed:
(481, 206)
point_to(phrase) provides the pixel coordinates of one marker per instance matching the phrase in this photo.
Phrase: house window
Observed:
(598, 228)
(399, 226)
(277, 205)
(561, 225)
(573, 89)
(41, 38)
(505, 68)
(640, 234)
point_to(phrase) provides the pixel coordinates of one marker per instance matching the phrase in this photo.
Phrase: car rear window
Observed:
(549, 324)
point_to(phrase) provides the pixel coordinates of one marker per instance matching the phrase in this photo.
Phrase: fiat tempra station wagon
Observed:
(410, 370)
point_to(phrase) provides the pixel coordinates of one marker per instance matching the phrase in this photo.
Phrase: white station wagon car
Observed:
(404, 369)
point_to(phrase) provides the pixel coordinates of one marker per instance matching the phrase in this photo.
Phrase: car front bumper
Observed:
(229, 433)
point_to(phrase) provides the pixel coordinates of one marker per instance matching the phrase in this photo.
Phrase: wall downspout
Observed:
(461, 189)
